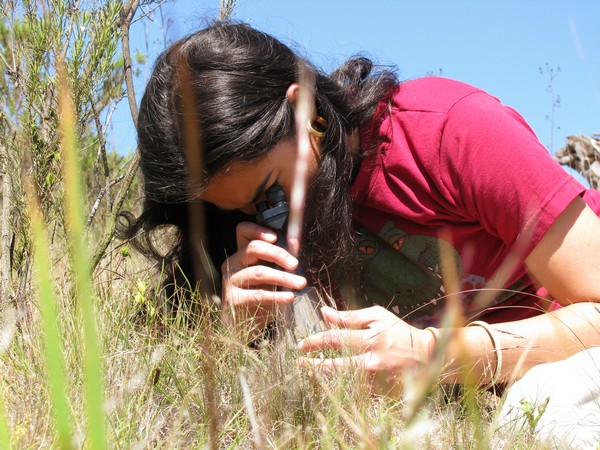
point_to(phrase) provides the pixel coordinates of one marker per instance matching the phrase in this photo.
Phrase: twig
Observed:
(9, 70)
(149, 12)
(126, 17)
(102, 153)
(127, 14)
(5, 266)
(103, 191)
(68, 34)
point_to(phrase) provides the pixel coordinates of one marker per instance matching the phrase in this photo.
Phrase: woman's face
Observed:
(242, 184)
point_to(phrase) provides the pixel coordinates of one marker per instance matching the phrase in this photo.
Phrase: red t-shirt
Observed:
(450, 172)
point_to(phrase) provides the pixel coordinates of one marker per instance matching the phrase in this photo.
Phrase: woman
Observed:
(402, 176)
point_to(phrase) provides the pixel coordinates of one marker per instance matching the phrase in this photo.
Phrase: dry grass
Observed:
(170, 385)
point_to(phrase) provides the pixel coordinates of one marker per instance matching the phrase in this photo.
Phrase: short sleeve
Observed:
(494, 166)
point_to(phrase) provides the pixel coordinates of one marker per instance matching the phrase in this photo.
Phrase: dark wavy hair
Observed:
(237, 77)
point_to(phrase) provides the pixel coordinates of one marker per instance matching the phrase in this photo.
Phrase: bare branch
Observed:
(127, 14)
(104, 191)
(102, 152)
(126, 17)
(5, 265)
(118, 204)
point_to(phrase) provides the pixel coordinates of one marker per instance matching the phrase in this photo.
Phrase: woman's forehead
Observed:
(237, 185)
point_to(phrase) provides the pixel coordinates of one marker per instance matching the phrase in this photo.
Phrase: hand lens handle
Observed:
(304, 314)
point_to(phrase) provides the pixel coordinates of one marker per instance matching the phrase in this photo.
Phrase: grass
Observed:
(88, 362)
(169, 385)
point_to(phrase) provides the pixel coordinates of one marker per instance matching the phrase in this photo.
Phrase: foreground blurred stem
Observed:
(94, 389)
(5, 442)
(53, 351)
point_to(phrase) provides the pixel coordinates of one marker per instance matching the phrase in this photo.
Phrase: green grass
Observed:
(51, 333)
(92, 359)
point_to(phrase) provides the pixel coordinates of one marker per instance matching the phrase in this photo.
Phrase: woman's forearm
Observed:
(470, 356)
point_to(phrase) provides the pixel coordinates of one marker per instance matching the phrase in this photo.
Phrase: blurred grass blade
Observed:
(5, 440)
(250, 410)
(53, 351)
(7, 332)
(94, 389)
(303, 113)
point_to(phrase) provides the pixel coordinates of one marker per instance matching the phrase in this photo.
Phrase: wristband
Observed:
(436, 339)
(497, 349)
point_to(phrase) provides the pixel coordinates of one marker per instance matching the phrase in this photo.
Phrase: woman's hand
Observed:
(381, 344)
(250, 280)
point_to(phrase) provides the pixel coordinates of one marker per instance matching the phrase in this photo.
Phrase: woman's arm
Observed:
(384, 346)
(524, 344)
(566, 261)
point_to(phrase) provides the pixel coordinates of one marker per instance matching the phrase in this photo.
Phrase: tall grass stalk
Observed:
(94, 387)
(53, 350)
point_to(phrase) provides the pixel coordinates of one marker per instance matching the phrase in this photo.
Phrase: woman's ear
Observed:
(292, 93)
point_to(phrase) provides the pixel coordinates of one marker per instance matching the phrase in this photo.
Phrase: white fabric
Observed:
(572, 415)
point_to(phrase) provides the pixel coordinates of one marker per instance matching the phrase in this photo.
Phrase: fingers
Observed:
(256, 244)
(258, 297)
(248, 231)
(356, 341)
(251, 285)
(260, 251)
(258, 285)
(375, 341)
(356, 319)
(255, 276)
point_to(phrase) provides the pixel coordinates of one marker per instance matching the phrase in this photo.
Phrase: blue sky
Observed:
(499, 46)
